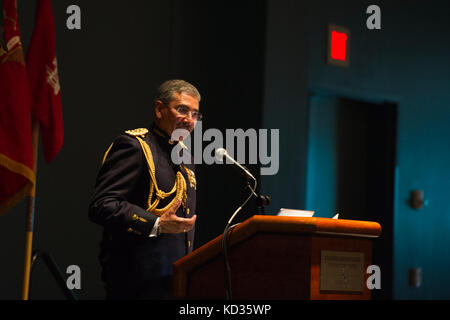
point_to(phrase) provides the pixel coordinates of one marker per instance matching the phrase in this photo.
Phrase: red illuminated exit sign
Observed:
(338, 45)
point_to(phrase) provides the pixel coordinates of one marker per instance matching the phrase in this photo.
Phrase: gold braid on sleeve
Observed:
(179, 185)
(106, 153)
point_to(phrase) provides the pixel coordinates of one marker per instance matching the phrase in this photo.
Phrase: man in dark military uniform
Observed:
(146, 202)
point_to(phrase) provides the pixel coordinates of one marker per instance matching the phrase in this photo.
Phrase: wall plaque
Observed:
(341, 271)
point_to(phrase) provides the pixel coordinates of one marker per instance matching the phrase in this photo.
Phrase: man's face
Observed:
(169, 119)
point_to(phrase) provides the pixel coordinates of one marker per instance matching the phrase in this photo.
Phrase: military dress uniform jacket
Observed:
(134, 265)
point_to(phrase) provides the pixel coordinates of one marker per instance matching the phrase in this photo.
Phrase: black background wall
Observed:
(109, 71)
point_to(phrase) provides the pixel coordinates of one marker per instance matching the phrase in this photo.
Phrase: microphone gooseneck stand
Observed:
(225, 241)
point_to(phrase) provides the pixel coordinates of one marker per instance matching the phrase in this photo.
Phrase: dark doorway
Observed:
(351, 168)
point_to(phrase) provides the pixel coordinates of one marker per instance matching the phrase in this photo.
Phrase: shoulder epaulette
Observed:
(140, 132)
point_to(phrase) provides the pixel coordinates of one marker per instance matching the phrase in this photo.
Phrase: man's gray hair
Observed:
(169, 87)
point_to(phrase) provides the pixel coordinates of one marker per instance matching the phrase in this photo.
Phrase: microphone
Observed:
(221, 152)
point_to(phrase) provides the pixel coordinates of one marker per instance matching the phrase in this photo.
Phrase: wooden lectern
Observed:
(278, 257)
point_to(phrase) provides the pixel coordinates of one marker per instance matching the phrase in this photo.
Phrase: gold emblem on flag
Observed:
(13, 53)
(52, 76)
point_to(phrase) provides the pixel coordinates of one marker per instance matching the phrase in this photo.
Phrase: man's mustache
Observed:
(185, 126)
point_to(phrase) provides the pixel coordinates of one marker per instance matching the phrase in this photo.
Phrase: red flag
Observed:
(42, 70)
(16, 155)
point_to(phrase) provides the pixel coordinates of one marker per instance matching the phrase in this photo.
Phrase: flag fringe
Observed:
(15, 198)
(17, 168)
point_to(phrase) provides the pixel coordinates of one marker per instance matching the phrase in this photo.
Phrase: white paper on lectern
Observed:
(295, 213)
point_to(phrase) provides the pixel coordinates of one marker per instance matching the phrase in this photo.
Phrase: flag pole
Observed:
(29, 220)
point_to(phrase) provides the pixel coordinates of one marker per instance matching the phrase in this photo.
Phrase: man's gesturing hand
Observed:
(169, 222)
